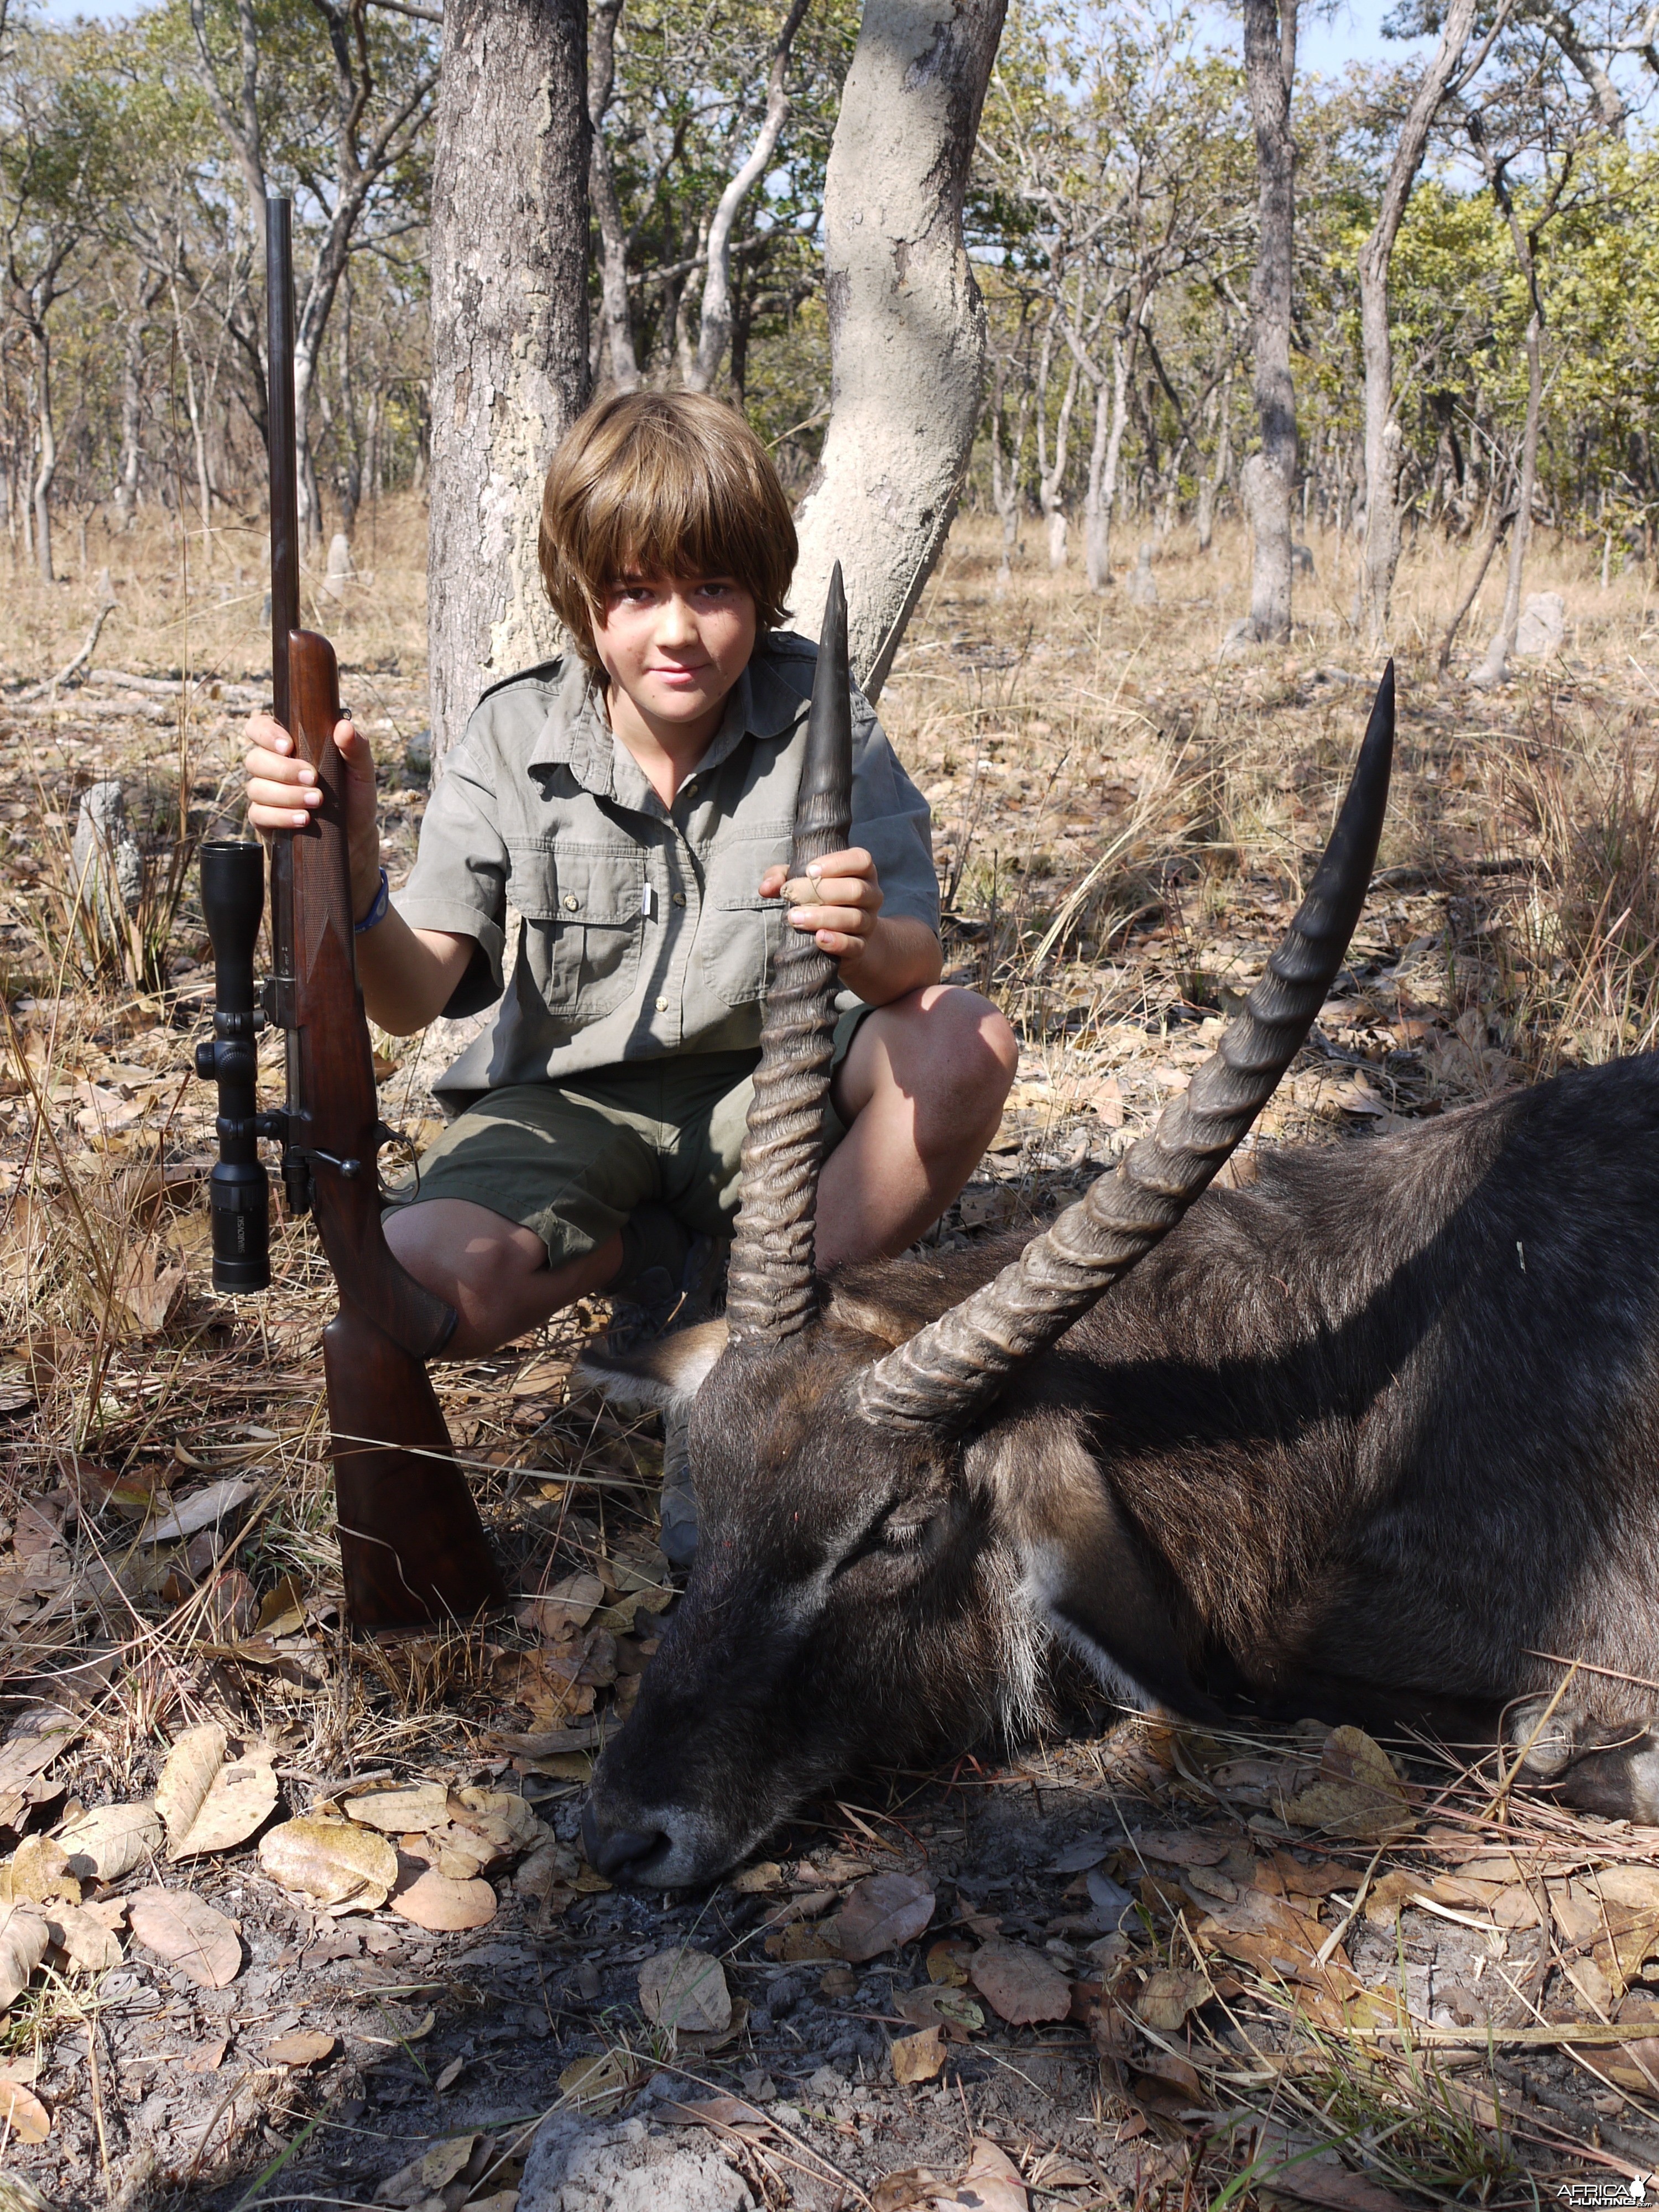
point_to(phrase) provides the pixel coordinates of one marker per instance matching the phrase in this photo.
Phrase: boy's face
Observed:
(675, 645)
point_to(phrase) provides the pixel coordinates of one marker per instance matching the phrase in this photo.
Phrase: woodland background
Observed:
(287, 1916)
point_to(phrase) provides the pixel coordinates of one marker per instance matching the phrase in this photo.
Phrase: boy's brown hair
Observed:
(669, 483)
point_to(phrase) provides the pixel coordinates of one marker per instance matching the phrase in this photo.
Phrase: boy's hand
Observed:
(282, 793)
(838, 901)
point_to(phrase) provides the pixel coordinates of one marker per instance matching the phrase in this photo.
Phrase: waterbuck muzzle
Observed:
(847, 1474)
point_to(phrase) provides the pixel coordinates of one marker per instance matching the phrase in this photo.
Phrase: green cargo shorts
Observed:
(577, 1161)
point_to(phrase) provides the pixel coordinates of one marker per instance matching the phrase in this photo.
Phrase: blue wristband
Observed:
(378, 912)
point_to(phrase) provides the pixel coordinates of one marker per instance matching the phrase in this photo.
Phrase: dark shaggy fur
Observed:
(1362, 1437)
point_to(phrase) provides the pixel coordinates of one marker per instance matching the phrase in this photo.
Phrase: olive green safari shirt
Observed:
(643, 932)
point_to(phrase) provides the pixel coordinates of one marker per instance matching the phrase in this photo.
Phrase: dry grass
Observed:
(1123, 821)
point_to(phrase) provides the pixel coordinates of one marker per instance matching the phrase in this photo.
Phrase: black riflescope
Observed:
(238, 1191)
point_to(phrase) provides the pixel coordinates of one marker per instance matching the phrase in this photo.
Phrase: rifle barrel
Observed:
(284, 459)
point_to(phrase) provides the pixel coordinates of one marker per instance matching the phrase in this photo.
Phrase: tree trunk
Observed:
(1269, 475)
(907, 324)
(1050, 479)
(1209, 487)
(132, 403)
(1495, 667)
(1384, 446)
(714, 326)
(48, 468)
(616, 323)
(509, 331)
(1111, 419)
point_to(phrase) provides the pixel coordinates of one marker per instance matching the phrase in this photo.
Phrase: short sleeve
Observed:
(890, 820)
(458, 881)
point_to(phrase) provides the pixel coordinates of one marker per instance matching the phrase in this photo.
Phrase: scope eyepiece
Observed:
(238, 1189)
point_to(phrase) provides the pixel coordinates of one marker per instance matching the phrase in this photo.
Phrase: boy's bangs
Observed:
(666, 520)
(671, 484)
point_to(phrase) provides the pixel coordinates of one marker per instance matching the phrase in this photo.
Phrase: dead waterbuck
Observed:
(1359, 1438)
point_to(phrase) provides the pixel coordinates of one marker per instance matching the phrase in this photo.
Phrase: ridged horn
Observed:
(946, 1372)
(769, 1292)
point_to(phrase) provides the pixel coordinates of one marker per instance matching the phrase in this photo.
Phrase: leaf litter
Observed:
(1330, 1949)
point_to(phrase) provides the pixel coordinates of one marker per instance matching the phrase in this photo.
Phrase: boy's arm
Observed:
(408, 976)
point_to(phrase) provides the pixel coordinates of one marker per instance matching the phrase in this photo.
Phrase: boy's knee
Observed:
(464, 1260)
(952, 1047)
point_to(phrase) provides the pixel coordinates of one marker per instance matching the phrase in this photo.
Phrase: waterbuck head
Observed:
(889, 1528)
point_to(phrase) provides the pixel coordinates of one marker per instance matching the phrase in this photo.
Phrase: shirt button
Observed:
(680, 898)
(570, 901)
(662, 1005)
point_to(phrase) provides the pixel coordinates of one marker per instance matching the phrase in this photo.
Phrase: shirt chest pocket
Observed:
(583, 907)
(741, 931)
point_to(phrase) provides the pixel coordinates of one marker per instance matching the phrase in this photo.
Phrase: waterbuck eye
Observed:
(904, 1536)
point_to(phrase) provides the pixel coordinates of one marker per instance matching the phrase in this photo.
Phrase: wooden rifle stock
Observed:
(412, 1542)
(413, 1548)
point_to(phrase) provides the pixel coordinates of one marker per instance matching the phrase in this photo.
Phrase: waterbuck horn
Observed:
(770, 1293)
(947, 1372)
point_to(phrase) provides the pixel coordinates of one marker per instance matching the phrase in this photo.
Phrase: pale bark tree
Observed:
(615, 327)
(1051, 469)
(907, 324)
(1384, 441)
(509, 332)
(1007, 460)
(132, 397)
(714, 326)
(1269, 479)
(363, 153)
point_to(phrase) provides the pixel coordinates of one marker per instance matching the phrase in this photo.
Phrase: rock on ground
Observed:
(626, 2165)
(1543, 624)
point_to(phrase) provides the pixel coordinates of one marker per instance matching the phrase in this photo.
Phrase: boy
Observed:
(633, 801)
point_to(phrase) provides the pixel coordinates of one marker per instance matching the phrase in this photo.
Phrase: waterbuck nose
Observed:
(612, 1851)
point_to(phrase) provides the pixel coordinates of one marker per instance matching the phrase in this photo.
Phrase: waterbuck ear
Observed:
(662, 1377)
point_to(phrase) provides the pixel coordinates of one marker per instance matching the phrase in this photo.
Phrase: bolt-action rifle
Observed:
(412, 1543)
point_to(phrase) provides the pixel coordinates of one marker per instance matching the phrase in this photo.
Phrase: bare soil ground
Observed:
(1121, 1966)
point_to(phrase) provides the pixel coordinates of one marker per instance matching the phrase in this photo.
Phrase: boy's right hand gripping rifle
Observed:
(411, 1544)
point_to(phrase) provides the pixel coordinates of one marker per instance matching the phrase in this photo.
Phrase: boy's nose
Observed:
(675, 623)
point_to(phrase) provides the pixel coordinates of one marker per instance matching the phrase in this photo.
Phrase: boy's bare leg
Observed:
(922, 1090)
(492, 1270)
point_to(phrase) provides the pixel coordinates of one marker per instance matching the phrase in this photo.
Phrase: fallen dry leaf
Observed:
(207, 2057)
(882, 1912)
(149, 1283)
(801, 1944)
(302, 2047)
(428, 2176)
(1020, 1985)
(109, 1841)
(912, 2189)
(443, 1906)
(1356, 1793)
(38, 1870)
(86, 1941)
(936, 2004)
(947, 1961)
(403, 1811)
(1181, 1848)
(35, 1740)
(1301, 2168)
(1167, 1997)
(760, 1880)
(189, 1934)
(919, 2057)
(685, 1990)
(344, 1868)
(210, 1804)
(282, 1610)
(598, 2083)
(990, 2182)
(211, 1507)
(22, 2115)
(25, 1939)
(569, 1605)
